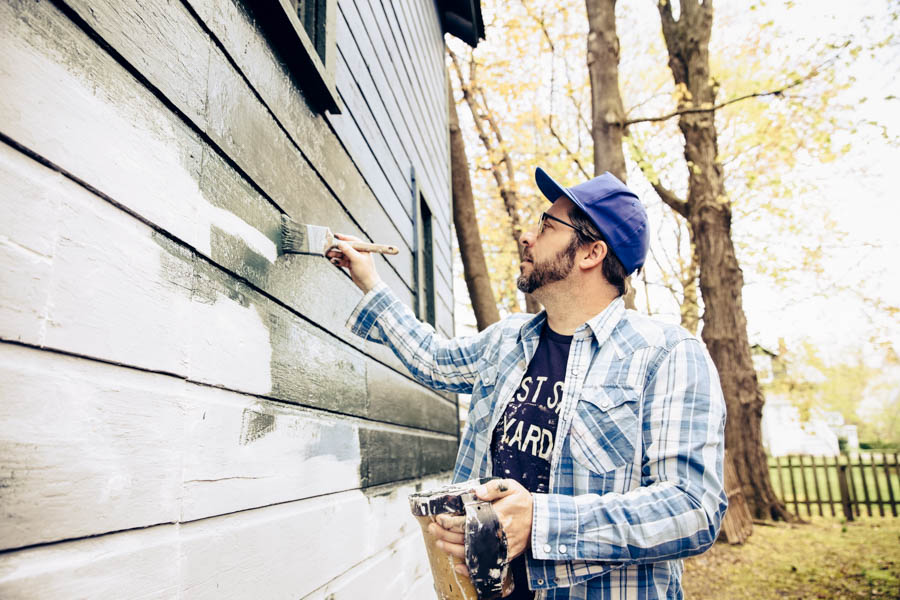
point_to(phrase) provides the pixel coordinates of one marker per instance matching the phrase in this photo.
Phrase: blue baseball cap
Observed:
(614, 209)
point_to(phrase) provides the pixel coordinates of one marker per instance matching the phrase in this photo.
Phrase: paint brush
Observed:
(300, 238)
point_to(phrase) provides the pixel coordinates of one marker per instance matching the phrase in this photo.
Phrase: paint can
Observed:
(486, 549)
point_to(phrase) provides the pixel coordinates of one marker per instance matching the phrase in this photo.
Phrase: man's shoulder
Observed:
(637, 332)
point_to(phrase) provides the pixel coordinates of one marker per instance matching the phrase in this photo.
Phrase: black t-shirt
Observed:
(523, 439)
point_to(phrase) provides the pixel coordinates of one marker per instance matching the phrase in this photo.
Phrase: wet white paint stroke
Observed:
(231, 346)
(234, 225)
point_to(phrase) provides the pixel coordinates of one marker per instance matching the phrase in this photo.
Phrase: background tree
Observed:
(708, 211)
(475, 271)
(784, 110)
(502, 165)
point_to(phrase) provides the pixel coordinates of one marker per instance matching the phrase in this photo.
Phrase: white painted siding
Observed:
(181, 414)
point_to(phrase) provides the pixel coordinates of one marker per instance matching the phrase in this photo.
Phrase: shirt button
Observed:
(547, 548)
(562, 549)
(575, 372)
(604, 405)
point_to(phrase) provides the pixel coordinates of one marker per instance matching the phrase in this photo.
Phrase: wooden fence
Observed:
(849, 484)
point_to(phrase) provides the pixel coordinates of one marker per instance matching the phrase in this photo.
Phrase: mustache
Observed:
(526, 255)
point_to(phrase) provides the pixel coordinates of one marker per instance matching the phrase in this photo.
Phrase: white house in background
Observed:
(784, 433)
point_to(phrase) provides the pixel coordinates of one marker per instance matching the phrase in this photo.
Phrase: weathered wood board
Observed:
(116, 290)
(263, 553)
(133, 449)
(396, 572)
(191, 193)
(183, 414)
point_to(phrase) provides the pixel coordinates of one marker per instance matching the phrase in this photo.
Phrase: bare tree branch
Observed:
(566, 148)
(779, 92)
(670, 198)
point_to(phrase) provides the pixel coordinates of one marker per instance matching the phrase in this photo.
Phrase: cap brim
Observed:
(552, 190)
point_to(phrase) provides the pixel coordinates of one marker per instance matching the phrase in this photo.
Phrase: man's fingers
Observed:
(347, 250)
(494, 490)
(452, 523)
(461, 569)
(446, 535)
(457, 550)
(349, 238)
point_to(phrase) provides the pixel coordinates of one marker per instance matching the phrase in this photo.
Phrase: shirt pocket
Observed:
(482, 399)
(605, 428)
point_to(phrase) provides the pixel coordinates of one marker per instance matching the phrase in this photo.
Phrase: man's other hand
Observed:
(513, 505)
(360, 264)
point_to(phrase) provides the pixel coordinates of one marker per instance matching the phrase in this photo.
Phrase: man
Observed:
(607, 427)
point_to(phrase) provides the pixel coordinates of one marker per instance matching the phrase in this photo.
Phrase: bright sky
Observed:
(860, 190)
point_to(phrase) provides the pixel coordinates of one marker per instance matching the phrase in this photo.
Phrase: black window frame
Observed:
(423, 262)
(310, 58)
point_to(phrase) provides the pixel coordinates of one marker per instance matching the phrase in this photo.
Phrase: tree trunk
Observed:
(721, 282)
(475, 270)
(607, 112)
(505, 180)
(690, 302)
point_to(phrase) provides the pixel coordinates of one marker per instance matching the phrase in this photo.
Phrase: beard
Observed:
(555, 269)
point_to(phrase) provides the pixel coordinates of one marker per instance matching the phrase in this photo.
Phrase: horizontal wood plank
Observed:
(134, 449)
(263, 553)
(396, 572)
(233, 115)
(151, 160)
(374, 70)
(245, 44)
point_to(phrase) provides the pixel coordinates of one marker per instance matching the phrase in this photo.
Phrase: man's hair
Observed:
(587, 233)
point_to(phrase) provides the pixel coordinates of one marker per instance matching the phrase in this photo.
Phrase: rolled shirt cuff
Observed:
(370, 307)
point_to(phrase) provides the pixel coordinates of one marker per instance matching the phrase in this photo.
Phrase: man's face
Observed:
(549, 255)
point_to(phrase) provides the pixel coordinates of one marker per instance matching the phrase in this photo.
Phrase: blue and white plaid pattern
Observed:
(636, 473)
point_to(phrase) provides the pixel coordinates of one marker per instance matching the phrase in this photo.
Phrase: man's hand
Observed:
(360, 264)
(513, 505)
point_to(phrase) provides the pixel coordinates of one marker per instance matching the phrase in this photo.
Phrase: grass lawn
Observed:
(825, 559)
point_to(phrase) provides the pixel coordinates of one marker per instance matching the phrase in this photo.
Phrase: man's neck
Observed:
(566, 312)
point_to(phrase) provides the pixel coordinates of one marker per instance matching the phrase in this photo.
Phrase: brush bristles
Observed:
(293, 236)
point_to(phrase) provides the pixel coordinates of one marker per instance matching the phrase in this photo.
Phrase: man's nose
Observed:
(527, 239)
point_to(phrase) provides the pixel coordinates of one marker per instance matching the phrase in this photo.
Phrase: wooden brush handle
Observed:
(375, 248)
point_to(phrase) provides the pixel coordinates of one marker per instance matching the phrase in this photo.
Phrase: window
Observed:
(424, 257)
(311, 14)
(303, 34)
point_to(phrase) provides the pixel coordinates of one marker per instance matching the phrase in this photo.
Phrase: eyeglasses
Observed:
(545, 216)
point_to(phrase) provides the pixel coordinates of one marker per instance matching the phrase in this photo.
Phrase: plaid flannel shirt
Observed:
(636, 478)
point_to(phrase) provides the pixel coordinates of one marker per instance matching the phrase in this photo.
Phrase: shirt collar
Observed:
(601, 325)
(532, 327)
(605, 321)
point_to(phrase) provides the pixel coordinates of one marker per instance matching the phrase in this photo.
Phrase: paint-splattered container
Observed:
(452, 500)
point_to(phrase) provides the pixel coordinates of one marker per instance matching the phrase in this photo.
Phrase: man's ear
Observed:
(596, 252)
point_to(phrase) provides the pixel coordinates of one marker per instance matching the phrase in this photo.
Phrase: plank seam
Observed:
(389, 549)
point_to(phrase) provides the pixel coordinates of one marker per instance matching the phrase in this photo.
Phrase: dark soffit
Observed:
(462, 19)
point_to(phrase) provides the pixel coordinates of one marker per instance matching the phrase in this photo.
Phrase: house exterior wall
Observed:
(182, 411)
